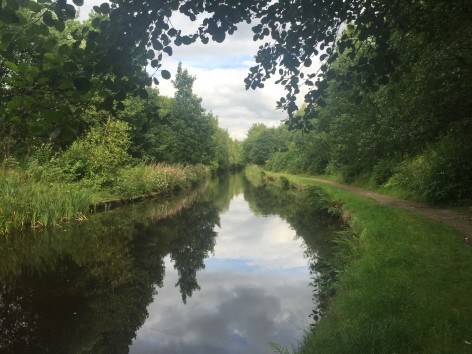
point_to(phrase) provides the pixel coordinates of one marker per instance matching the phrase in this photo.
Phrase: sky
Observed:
(220, 69)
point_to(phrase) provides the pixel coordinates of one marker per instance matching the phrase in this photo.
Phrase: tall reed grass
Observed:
(26, 202)
(158, 179)
(38, 196)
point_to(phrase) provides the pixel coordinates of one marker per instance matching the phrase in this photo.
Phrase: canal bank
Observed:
(404, 283)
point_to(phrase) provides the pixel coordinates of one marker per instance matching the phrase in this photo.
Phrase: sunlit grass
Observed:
(158, 179)
(29, 201)
(25, 202)
(407, 289)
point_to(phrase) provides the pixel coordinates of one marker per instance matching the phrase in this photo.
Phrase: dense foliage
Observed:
(390, 99)
(60, 81)
(409, 129)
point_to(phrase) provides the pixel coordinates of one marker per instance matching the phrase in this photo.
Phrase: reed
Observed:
(26, 202)
(158, 179)
(33, 197)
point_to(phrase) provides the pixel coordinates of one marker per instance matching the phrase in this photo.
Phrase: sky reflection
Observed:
(254, 290)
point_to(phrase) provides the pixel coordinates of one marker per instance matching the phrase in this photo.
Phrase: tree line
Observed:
(59, 90)
(398, 120)
(389, 101)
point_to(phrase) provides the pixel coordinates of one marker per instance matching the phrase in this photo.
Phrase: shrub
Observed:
(442, 173)
(382, 171)
(285, 183)
(99, 154)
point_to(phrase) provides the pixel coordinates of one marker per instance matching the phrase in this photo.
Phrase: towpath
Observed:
(457, 220)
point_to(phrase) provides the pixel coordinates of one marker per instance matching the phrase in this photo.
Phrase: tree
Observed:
(192, 127)
(297, 31)
(260, 144)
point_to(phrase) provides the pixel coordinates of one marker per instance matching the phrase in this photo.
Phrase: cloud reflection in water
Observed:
(254, 290)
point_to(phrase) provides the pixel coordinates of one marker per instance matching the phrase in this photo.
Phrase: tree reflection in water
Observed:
(85, 287)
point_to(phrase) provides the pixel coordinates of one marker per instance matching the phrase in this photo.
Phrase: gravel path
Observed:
(459, 221)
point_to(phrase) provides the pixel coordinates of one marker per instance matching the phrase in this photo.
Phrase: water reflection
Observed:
(254, 289)
(201, 274)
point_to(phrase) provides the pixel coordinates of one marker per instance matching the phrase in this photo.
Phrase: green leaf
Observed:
(50, 43)
(105, 8)
(60, 26)
(82, 84)
(78, 2)
(34, 6)
(23, 3)
(156, 44)
(70, 66)
(23, 68)
(10, 65)
(121, 95)
(13, 4)
(168, 50)
(70, 11)
(154, 63)
(63, 49)
(143, 93)
(165, 74)
(6, 40)
(108, 103)
(219, 36)
(96, 22)
(8, 16)
(48, 19)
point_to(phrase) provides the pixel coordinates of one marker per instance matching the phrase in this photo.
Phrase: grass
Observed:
(25, 202)
(405, 287)
(30, 199)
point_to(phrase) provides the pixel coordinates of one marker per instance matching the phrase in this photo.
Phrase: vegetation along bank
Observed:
(105, 159)
(402, 281)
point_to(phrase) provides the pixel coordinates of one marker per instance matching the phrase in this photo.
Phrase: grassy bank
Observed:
(39, 196)
(404, 286)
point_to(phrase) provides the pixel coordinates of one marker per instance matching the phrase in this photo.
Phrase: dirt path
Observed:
(449, 217)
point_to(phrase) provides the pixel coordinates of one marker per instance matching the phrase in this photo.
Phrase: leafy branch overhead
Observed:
(124, 36)
(297, 34)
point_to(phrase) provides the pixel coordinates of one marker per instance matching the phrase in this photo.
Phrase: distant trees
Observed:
(262, 142)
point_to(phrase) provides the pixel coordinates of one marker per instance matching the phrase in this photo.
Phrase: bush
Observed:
(442, 173)
(99, 154)
(285, 183)
(382, 172)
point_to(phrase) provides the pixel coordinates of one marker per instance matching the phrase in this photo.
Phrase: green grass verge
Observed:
(406, 288)
(32, 199)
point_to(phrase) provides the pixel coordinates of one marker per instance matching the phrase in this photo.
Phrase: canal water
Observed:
(224, 269)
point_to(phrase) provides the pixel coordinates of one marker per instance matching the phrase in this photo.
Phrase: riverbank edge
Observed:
(403, 285)
(98, 201)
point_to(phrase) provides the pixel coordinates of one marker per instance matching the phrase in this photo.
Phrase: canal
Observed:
(224, 269)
